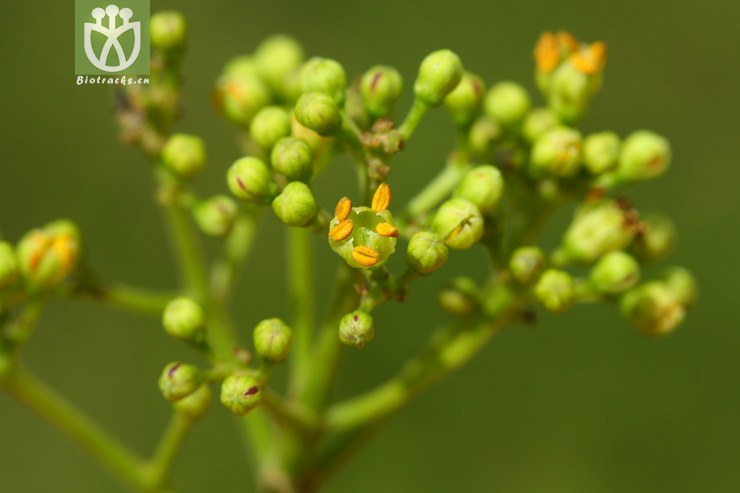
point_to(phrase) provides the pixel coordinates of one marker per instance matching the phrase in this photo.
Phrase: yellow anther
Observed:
(567, 42)
(365, 256)
(341, 230)
(381, 198)
(455, 232)
(344, 206)
(42, 242)
(64, 246)
(546, 53)
(590, 60)
(387, 229)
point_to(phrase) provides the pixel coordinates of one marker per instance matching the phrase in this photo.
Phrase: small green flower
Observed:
(291, 156)
(656, 238)
(555, 290)
(240, 393)
(168, 31)
(682, 283)
(644, 155)
(601, 152)
(439, 73)
(276, 58)
(296, 205)
(459, 222)
(240, 96)
(526, 263)
(483, 134)
(356, 329)
(183, 319)
(184, 155)
(614, 273)
(426, 252)
(483, 186)
(537, 122)
(464, 103)
(653, 308)
(47, 256)
(215, 216)
(179, 380)
(324, 75)
(250, 180)
(557, 153)
(8, 265)
(507, 103)
(380, 87)
(195, 405)
(242, 65)
(273, 339)
(460, 296)
(269, 125)
(319, 112)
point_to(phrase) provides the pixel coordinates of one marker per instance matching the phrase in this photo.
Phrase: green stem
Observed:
(190, 256)
(26, 388)
(160, 465)
(289, 413)
(236, 249)
(438, 189)
(413, 117)
(301, 296)
(134, 299)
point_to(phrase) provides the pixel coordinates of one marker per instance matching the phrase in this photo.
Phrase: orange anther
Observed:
(546, 53)
(344, 206)
(365, 256)
(381, 198)
(341, 230)
(387, 229)
(567, 42)
(590, 60)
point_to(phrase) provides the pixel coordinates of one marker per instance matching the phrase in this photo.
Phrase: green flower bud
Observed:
(614, 273)
(483, 186)
(273, 339)
(183, 319)
(439, 73)
(526, 263)
(216, 215)
(296, 205)
(601, 152)
(240, 96)
(682, 283)
(555, 290)
(459, 297)
(8, 265)
(277, 58)
(656, 238)
(557, 153)
(644, 155)
(269, 125)
(240, 393)
(184, 155)
(538, 122)
(195, 405)
(249, 179)
(596, 229)
(291, 156)
(179, 380)
(356, 329)
(459, 222)
(243, 65)
(48, 255)
(507, 103)
(319, 112)
(464, 103)
(168, 31)
(653, 308)
(427, 252)
(380, 87)
(326, 76)
(483, 134)
(571, 91)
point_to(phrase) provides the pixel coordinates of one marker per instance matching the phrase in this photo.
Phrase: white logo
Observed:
(112, 32)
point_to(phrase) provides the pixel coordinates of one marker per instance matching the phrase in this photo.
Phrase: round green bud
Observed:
(356, 329)
(555, 290)
(483, 134)
(653, 308)
(380, 87)
(656, 238)
(291, 157)
(277, 57)
(538, 122)
(483, 186)
(296, 205)
(324, 75)
(242, 65)
(46, 256)
(184, 155)
(249, 179)
(240, 393)
(644, 155)
(557, 153)
(464, 103)
(614, 273)
(8, 265)
(269, 125)
(241, 95)
(439, 73)
(427, 252)
(601, 152)
(682, 283)
(595, 230)
(273, 339)
(179, 380)
(318, 112)
(216, 215)
(459, 222)
(526, 263)
(195, 405)
(507, 103)
(168, 30)
(183, 319)
(459, 297)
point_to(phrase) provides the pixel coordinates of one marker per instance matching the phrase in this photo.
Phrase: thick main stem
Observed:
(301, 294)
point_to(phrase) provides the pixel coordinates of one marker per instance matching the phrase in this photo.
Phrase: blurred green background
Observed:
(580, 403)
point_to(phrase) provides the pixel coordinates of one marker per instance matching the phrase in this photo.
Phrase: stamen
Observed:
(341, 231)
(546, 53)
(344, 206)
(365, 256)
(387, 229)
(381, 198)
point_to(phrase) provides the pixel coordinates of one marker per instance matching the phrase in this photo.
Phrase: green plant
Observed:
(514, 166)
